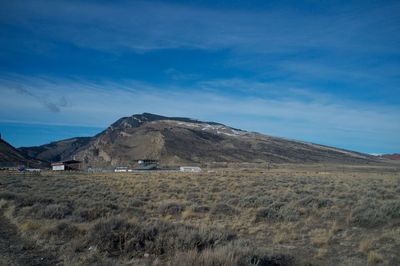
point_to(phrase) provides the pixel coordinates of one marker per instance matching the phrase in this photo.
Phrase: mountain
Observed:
(394, 156)
(178, 140)
(58, 150)
(10, 156)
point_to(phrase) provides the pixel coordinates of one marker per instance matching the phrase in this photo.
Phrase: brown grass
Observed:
(374, 258)
(230, 216)
(365, 245)
(320, 237)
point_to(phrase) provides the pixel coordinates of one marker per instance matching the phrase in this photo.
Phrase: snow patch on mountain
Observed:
(218, 129)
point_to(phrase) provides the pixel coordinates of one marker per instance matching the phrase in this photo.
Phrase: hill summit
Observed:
(177, 140)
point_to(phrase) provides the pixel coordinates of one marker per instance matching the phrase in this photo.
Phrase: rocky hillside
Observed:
(176, 140)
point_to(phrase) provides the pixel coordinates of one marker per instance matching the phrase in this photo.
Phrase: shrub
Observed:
(89, 259)
(116, 236)
(255, 202)
(30, 225)
(233, 201)
(3, 203)
(171, 208)
(135, 202)
(55, 211)
(319, 237)
(94, 212)
(205, 258)
(137, 212)
(64, 231)
(392, 209)
(267, 213)
(8, 195)
(24, 200)
(331, 214)
(368, 214)
(188, 214)
(230, 255)
(314, 202)
(289, 213)
(374, 257)
(267, 260)
(365, 245)
(223, 209)
(193, 196)
(201, 209)
(167, 238)
(278, 212)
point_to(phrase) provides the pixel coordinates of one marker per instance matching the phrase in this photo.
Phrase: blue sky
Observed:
(320, 71)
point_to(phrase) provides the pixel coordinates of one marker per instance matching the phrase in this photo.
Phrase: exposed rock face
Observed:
(174, 140)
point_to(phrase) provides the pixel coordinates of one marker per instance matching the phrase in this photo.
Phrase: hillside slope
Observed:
(176, 140)
(58, 150)
(10, 155)
(394, 156)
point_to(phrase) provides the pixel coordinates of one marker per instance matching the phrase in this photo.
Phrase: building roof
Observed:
(71, 161)
(65, 162)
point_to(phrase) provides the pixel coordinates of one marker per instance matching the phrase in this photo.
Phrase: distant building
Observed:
(66, 165)
(147, 164)
(33, 170)
(193, 169)
(13, 166)
(121, 169)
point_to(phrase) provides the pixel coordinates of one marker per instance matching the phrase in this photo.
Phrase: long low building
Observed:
(66, 165)
(193, 169)
(147, 164)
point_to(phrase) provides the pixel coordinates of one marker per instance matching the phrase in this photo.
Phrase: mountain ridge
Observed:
(392, 156)
(11, 155)
(177, 140)
(57, 150)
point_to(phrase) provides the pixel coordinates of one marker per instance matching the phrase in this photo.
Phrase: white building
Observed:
(57, 166)
(121, 169)
(66, 165)
(193, 169)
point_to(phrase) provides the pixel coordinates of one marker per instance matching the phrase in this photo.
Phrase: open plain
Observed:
(282, 214)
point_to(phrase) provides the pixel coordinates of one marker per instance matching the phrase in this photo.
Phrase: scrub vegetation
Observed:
(286, 215)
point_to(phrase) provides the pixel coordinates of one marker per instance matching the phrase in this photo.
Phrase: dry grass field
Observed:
(287, 215)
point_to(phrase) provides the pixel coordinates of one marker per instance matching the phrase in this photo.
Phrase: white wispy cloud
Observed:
(354, 44)
(53, 105)
(286, 49)
(296, 113)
